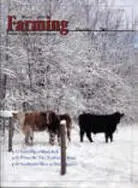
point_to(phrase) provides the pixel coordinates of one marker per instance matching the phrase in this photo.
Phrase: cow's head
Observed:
(15, 115)
(118, 116)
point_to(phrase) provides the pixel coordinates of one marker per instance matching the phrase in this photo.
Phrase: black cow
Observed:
(98, 124)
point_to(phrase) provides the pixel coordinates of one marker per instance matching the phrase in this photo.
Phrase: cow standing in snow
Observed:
(31, 122)
(90, 123)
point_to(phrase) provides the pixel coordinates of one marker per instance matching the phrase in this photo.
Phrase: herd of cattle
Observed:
(89, 123)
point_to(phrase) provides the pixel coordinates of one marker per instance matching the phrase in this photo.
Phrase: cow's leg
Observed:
(68, 134)
(27, 134)
(59, 137)
(106, 137)
(111, 137)
(31, 137)
(89, 136)
(51, 138)
(81, 135)
(59, 140)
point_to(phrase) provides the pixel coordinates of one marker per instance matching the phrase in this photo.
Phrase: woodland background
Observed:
(83, 71)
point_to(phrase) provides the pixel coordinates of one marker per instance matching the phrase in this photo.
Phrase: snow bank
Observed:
(97, 165)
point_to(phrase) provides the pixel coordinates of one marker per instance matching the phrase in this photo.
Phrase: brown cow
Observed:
(38, 121)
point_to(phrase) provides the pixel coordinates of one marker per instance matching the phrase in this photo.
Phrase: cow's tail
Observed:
(79, 121)
(70, 123)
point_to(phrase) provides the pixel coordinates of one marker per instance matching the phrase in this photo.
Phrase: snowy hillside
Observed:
(97, 164)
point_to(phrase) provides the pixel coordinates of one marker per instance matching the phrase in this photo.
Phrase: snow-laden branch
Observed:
(8, 72)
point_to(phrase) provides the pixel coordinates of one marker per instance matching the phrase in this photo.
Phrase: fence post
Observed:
(63, 147)
(10, 134)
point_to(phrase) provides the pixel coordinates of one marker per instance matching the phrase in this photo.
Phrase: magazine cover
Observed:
(69, 93)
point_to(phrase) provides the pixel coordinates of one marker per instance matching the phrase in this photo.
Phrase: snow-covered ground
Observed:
(96, 165)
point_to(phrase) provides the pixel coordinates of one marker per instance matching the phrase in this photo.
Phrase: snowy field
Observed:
(96, 165)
